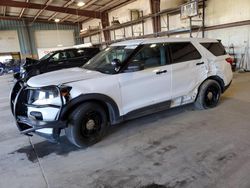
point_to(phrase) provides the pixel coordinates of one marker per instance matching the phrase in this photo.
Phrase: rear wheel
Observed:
(209, 95)
(87, 125)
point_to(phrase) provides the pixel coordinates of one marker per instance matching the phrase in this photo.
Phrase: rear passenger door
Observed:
(187, 68)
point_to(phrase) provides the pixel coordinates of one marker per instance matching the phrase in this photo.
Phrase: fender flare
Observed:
(107, 102)
(217, 79)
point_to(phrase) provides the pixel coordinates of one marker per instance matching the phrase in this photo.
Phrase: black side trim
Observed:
(109, 103)
(43, 106)
(148, 110)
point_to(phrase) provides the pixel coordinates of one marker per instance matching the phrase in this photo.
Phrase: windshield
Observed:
(47, 56)
(102, 61)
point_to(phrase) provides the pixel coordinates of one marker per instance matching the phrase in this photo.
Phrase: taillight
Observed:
(230, 60)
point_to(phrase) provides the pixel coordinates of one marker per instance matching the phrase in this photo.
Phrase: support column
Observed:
(156, 8)
(203, 18)
(105, 23)
(24, 40)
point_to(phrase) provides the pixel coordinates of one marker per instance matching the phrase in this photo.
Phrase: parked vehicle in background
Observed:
(10, 66)
(127, 80)
(2, 68)
(56, 60)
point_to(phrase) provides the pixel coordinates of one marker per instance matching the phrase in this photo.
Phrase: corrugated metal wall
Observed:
(26, 32)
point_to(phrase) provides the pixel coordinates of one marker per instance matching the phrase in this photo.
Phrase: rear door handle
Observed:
(202, 63)
(161, 72)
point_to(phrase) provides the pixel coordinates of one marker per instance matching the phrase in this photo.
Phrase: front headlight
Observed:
(45, 96)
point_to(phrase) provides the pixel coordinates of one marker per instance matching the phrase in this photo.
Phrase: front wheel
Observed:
(209, 95)
(87, 125)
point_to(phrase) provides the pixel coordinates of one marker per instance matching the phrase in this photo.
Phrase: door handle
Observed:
(60, 63)
(161, 72)
(202, 63)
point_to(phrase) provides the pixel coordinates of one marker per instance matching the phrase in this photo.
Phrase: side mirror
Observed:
(135, 66)
(116, 63)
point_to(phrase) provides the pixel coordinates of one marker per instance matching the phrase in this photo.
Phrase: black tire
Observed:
(87, 125)
(209, 95)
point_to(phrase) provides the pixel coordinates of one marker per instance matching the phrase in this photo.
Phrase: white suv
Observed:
(127, 80)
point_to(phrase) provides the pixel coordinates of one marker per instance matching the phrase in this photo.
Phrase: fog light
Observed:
(37, 115)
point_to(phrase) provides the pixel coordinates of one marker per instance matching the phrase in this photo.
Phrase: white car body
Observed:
(179, 85)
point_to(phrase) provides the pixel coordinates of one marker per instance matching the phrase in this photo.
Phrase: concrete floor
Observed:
(176, 148)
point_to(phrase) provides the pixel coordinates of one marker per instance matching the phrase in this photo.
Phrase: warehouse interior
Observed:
(176, 148)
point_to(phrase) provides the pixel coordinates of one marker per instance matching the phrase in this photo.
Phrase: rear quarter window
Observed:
(216, 48)
(184, 51)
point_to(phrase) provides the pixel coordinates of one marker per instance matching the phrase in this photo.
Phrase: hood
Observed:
(62, 77)
(29, 62)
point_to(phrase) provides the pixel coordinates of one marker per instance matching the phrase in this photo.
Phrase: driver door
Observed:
(149, 86)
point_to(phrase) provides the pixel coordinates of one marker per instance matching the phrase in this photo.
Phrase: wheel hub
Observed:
(90, 125)
(210, 95)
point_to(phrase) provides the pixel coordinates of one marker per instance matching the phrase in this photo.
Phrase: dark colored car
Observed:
(56, 60)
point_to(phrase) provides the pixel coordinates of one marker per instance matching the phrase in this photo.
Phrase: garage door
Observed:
(53, 38)
(9, 41)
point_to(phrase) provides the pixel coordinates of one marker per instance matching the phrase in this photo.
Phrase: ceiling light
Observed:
(57, 20)
(59, 45)
(80, 4)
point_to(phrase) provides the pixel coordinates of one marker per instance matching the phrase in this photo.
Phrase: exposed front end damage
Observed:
(34, 116)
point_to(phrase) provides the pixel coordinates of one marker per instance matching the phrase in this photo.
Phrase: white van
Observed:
(126, 80)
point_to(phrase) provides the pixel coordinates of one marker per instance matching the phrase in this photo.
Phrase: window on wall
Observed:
(184, 51)
(215, 48)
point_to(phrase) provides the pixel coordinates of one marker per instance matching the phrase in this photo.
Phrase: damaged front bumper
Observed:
(44, 126)
(47, 129)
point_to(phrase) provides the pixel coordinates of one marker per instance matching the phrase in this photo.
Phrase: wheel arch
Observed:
(217, 79)
(106, 102)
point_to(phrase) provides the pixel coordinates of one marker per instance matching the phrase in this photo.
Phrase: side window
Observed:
(55, 57)
(59, 56)
(80, 53)
(120, 54)
(184, 51)
(215, 48)
(89, 51)
(86, 52)
(70, 54)
(151, 55)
